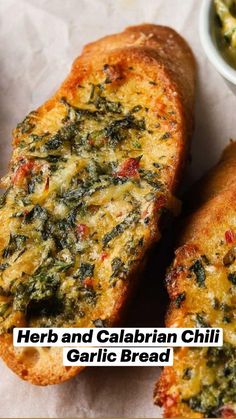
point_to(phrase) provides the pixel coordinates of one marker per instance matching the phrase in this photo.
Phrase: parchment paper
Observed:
(39, 39)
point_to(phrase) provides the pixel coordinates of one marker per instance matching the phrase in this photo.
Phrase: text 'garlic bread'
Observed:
(92, 171)
(202, 287)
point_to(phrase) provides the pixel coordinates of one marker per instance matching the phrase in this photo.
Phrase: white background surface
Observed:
(39, 39)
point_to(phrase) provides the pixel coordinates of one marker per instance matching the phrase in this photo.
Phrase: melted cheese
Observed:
(205, 378)
(87, 173)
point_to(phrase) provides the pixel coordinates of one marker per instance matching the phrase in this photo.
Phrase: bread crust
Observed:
(216, 180)
(211, 223)
(170, 49)
(159, 54)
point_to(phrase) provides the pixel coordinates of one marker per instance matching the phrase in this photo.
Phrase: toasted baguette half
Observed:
(202, 287)
(91, 173)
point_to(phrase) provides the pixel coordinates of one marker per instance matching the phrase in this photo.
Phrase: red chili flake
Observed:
(227, 412)
(129, 168)
(88, 282)
(22, 172)
(103, 256)
(90, 141)
(171, 400)
(82, 230)
(161, 108)
(161, 202)
(229, 236)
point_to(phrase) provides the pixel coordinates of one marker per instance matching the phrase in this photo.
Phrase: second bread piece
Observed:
(92, 171)
(202, 287)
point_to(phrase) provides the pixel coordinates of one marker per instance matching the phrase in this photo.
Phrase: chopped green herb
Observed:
(33, 181)
(36, 213)
(16, 242)
(131, 218)
(201, 322)
(4, 266)
(86, 189)
(151, 178)
(211, 398)
(118, 268)
(3, 198)
(61, 266)
(179, 299)
(166, 136)
(199, 272)
(3, 308)
(40, 287)
(85, 271)
(227, 319)
(232, 278)
(26, 126)
(54, 142)
(36, 138)
(104, 105)
(116, 131)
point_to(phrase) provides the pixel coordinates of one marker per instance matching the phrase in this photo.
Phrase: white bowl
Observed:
(209, 44)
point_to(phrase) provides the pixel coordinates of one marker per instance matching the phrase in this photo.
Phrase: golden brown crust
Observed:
(216, 180)
(203, 233)
(160, 54)
(49, 363)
